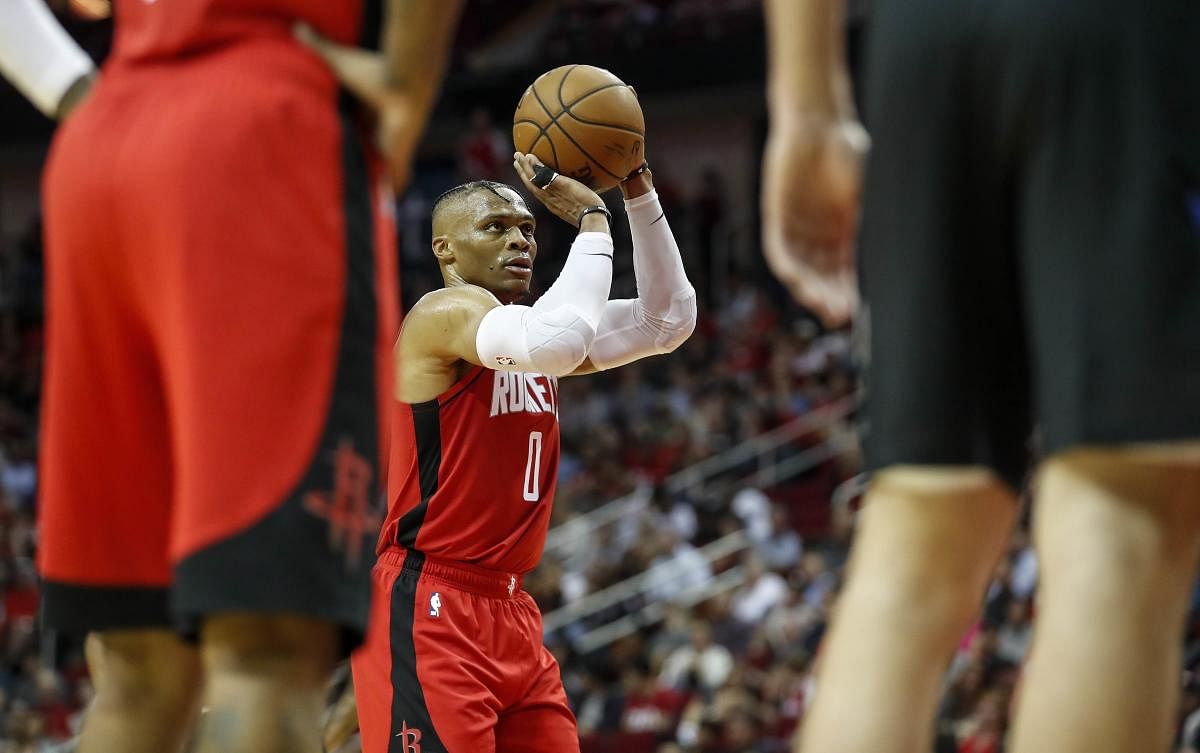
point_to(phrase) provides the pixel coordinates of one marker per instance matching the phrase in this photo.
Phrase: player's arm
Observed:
(40, 58)
(554, 335)
(806, 58)
(403, 81)
(417, 40)
(663, 315)
(811, 167)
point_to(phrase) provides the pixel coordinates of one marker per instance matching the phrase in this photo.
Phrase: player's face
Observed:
(495, 248)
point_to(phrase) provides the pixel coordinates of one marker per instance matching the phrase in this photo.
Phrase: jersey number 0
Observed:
(533, 467)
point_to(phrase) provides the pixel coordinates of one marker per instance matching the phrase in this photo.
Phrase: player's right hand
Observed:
(810, 189)
(365, 73)
(565, 197)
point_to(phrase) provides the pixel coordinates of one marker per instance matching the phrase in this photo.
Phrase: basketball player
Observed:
(1030, 253)
(454, 660)
(218, 308)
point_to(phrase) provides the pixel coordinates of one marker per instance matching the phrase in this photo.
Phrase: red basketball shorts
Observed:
(220, 317)
(454, 663)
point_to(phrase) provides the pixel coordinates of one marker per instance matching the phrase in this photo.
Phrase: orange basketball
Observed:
(584, 122)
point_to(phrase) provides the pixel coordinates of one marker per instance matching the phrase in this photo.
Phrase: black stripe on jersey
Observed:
(370, 30)
(427, 425)
(412, 726)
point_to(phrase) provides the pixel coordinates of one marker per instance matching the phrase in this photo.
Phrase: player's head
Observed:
(483, 235)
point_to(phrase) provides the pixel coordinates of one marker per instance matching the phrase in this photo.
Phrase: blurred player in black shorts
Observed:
(1030, 257)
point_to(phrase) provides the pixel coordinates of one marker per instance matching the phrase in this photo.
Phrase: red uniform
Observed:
(454, 659)
(221, 310)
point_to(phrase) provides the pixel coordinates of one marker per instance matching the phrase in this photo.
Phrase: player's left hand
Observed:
(638, 183)
(564, 196)
(812, 173)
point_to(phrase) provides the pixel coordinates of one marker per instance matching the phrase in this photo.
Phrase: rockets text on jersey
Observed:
(472, 473)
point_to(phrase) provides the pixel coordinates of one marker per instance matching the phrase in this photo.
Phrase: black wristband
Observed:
(597, 208)
(637, 171)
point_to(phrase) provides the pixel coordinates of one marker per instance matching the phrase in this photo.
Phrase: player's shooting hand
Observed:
(365, 73)
(638, 183)
(565, 197)
(812, 173)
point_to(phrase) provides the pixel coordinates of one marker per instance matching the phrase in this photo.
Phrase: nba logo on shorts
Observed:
(410, 737)
(435, 609)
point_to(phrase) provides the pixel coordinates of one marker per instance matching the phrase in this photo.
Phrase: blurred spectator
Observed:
(649, 707)
(781, 550)
(754, 509)
(761, 591)
(672, 511)
(701, 665)
(1014, 636)
(484, 152)
(599, 705)
(983, 730)
(677, 569)
(1024, 566)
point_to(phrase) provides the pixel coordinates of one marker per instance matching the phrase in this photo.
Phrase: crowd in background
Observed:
(42, 693)
(721, 670)
(728, 672)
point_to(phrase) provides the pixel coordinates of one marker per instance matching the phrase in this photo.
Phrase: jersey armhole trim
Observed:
(461, 386)
(455, 390)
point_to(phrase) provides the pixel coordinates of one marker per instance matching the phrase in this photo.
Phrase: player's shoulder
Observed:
(438, 316)
(453, 300)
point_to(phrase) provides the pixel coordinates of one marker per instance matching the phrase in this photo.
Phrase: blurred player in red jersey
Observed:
(454, 659)
(220, 318)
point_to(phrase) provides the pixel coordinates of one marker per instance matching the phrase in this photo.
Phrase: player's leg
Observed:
(269, 315)
(947, 407)
(340, 720)
(928, 540)
(146, 684)
(1118, 538)
(106, 467)
(1111, 247)
(422, 677)
(540, 721)
(267, 676)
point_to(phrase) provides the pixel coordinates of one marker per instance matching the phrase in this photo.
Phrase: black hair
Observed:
(467, 188)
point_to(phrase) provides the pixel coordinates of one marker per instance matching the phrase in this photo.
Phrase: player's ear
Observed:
(442, 251)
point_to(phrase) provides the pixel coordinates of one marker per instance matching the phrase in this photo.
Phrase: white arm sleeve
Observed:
(554, 335)
(37, 55)
(663, 315)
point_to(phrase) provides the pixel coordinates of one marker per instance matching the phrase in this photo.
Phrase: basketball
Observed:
(584, 122)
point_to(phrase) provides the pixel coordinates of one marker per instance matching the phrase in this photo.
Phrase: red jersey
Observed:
(472, 473)
(156, 29)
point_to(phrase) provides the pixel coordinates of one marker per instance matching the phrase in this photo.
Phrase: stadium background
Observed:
(706, 498)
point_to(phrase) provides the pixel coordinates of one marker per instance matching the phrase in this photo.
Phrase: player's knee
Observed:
(1137, 497)
(934, 596)
(1119, 526)
(914, 594)
(929, 540)
(287, 648)
(143, 670)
